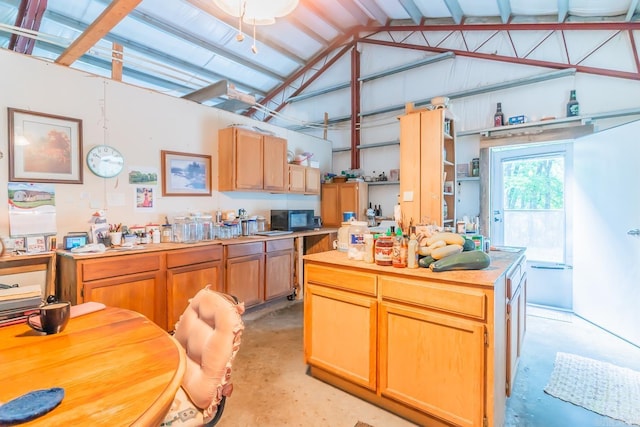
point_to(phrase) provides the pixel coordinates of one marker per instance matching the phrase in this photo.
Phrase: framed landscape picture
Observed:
(185, 174)
(44, 147)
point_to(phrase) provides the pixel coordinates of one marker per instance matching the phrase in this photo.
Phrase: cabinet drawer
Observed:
(279, 245)
(364, 283)
(244, 249)
(467, 302)
(513, 278)
(199, 255)
(119, 266)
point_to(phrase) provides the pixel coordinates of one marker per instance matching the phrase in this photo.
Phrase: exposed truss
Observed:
(557, 46)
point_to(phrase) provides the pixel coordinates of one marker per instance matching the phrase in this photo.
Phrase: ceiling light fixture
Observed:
(256, 12)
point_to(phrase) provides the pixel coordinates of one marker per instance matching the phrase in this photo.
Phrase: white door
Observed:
(531, 207)
(606, 223)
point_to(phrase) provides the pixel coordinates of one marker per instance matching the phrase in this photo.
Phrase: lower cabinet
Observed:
(135, 282)
(346, 322)
(244, 272)
(259, 271)
(188, 271)
(516, 316)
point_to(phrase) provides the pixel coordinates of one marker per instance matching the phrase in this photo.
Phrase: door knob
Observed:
(634, 232)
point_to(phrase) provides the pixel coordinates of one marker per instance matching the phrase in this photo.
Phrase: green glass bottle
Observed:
(573, 108)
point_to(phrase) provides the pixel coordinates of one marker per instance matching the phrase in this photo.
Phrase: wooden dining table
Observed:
(116, 367)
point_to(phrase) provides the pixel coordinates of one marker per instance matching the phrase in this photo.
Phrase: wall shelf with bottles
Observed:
(468, 178)
(384, 183)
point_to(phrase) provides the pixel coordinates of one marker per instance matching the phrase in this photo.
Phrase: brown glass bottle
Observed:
(498, 117)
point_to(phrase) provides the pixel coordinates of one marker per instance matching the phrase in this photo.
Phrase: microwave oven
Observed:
(292, 220)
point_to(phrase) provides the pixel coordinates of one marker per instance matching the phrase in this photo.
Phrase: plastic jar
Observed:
(180, 229)
(357, 231)
(343, 236)
(206, 227)
(384, 250)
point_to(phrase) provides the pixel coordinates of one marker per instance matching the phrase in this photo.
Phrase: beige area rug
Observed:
(597, 386)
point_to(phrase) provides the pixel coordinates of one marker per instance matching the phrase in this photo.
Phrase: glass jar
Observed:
(357, 231)
(167, 233)
(261, 224)
(206, 227)
(384, 250)
(180, 229)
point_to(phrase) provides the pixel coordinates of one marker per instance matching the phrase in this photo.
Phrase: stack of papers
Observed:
(16, 303)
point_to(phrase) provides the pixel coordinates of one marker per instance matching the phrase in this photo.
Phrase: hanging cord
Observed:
(242, 11)
(254, 48)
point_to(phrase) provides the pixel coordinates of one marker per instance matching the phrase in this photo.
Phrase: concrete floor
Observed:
(272, 388)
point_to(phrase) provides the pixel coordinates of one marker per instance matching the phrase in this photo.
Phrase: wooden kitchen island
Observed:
(439, 349)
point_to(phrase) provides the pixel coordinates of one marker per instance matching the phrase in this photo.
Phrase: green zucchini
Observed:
(426, 261)
(470, 260)
(469, 245)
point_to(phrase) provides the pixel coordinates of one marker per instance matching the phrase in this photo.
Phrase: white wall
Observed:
(139, 123)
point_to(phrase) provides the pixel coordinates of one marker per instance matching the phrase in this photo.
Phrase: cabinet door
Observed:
(142, 292)
(513, 317)
(248, 165)
(340, 334)
(275, 163)
(183, 283)
(244, 278)
(296, 179)
(330, 211)
(278, 278)
(312, 181)
(433, 362)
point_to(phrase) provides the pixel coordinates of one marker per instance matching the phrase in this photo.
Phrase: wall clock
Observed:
(105, 161)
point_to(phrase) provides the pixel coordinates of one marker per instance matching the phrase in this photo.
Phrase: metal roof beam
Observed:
(103, 64)
(414, 12)
(29, 17)
(455, 10)
(371, 8)
(563, 10)
(504, 6)
(153, 53)
(632, 10)
(170, 29)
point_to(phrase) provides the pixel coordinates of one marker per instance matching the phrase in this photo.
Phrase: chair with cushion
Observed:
(209, 330)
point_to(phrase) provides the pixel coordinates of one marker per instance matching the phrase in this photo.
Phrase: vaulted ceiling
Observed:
(188, 48)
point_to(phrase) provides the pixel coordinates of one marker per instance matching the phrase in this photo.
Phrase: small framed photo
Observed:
(36, 244)
(44, 148)
(185, 174)
(394, 175)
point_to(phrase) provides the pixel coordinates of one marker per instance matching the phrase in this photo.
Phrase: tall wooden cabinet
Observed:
(427, 161)
(251, 161)
(343, 197)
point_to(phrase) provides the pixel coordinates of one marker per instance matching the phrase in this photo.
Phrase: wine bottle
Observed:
(573, 107)
(498, 117)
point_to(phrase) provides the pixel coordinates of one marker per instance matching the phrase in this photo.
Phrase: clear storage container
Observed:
(357, 231)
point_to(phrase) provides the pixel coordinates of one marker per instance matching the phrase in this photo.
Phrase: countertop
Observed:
(501, 260)
(155, 247)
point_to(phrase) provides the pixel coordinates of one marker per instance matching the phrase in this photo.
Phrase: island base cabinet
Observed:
(342, 338)
(434, 363)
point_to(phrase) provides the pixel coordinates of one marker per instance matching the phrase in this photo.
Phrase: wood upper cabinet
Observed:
(343, 197)
(427, 160)
(304, 179)
(251, 161)
(189, 271)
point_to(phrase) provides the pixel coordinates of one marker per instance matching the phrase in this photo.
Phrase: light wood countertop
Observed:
(500, 262)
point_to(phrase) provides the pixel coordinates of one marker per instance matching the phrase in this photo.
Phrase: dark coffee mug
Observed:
(53, 317)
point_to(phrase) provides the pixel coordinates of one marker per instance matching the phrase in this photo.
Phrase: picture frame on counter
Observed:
(185, 174)
(44, 147)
